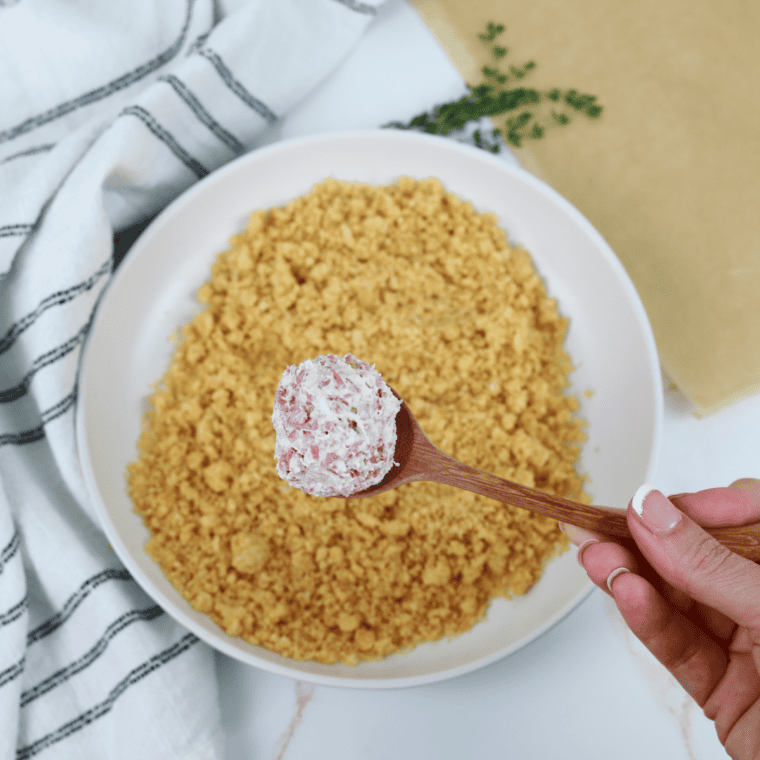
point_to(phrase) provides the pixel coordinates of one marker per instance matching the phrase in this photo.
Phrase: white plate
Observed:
(153, 293)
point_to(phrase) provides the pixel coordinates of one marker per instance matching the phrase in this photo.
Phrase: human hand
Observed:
(693, 603)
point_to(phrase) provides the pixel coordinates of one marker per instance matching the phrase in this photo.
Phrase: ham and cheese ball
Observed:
(335, 420)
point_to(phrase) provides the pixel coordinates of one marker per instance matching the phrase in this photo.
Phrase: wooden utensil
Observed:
(419, 459)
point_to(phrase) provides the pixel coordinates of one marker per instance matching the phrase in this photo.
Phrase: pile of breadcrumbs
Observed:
(411, 279)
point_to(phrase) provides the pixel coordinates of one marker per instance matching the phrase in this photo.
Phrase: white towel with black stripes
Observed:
(108, 111)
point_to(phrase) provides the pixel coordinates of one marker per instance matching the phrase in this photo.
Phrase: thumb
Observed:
(691, 560)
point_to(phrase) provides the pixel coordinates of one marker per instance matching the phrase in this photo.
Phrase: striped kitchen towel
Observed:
(108, 111)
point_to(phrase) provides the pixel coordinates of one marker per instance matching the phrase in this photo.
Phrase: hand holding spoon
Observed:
(419, 459)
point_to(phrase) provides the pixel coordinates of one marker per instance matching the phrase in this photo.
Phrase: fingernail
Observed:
(582, 548)
(561, 526)
(614, 574)
(655, 511)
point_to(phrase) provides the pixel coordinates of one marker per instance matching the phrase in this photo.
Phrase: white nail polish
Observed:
(638, 498)
(582, 548)
(614, 574)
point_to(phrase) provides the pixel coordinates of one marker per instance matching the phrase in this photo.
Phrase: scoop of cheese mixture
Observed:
(335, 420)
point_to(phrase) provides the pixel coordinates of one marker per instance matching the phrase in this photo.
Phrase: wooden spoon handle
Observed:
(744, 540)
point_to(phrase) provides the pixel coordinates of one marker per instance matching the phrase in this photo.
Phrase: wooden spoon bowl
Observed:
(419, 459)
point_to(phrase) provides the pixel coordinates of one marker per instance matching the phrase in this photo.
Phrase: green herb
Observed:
(492, 32)
(492, 98)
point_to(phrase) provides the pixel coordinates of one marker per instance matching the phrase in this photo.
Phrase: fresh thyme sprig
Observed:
(492, 32)
(492, 98)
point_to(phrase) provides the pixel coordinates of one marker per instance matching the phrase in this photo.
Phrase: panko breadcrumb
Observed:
(459, 323)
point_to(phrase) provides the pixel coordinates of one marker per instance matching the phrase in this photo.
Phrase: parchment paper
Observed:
(669, 173)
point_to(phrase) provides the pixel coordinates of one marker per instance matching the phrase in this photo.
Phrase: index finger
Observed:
(738, 504)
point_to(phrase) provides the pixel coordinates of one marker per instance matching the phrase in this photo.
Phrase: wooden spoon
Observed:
(419, 459)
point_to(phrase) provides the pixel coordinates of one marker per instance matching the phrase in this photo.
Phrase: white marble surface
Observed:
(586, 689)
